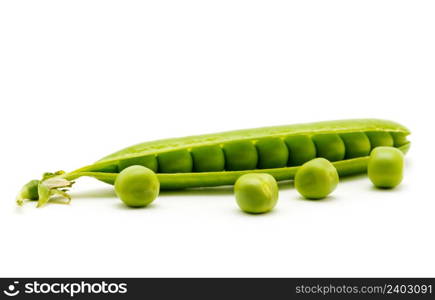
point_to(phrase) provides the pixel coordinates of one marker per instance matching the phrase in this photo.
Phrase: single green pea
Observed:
(179, 161)
(272, 153)
(208, 159)
(241, 155)
(149, 161)
(385, 167)
(30, 190)
(301, 149)
(137, 186)
(399, 139)
(316, 179)
(380, 138)
(329, 146)
(112, 168)
(357, 144)
(256, 192)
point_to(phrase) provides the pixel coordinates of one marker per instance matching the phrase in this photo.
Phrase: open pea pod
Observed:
(221, 158)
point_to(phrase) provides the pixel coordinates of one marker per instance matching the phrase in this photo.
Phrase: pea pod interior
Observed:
(219, 159)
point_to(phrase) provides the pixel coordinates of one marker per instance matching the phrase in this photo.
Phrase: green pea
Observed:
(112, 168)
(385, 167)
(357, 144)
(208, 159)
(272, 152)
(240, 156)
(301, 149)
(256, 192)
(30, 190)
(179, 161)
(137, 186)
(149, 161)
(380, 138)
(399, 139)
(316, 179)
(329, 146)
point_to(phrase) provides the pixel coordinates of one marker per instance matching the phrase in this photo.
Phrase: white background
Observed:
(82, 79)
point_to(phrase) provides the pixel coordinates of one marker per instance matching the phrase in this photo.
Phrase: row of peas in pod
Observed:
(138, 186)
(264, 153)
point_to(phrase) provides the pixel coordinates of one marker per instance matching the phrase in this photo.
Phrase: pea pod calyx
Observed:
(51, 184)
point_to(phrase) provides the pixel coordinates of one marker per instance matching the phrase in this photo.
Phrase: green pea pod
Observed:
(221, 158)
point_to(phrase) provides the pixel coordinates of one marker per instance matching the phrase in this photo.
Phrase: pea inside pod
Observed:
(329, 146)
(357, 144)
(208, 159)
(149, 162)
(240, 156)
(179, 161)
(272, 152)
(301, 149)
(380, 138)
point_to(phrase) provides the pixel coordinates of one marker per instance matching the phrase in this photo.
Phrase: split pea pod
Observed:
(221, 158)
